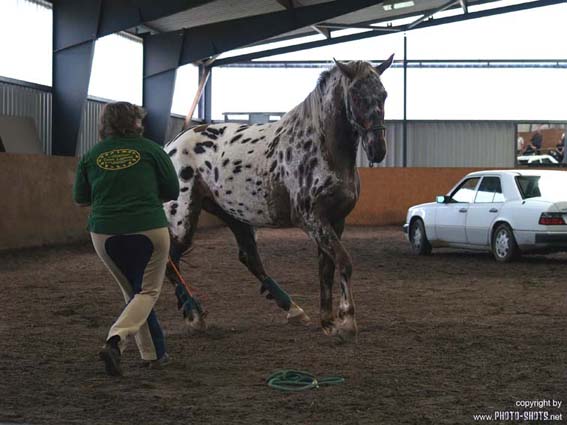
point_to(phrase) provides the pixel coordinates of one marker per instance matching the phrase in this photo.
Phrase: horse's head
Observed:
(365, 96)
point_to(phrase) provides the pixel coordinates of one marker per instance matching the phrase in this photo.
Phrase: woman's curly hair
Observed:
(121, 119)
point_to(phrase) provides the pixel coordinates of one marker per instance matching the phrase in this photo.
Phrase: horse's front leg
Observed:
(326, 280)
(326, 277)
(329, 243)
(249, 256)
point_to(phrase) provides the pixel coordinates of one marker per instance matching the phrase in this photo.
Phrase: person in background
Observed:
(125, 178)
(530, 150)
(520, 144)
(536, 141)
(558, 153)
(562, 144)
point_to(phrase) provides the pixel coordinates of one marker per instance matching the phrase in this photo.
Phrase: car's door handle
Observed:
(463, 210)
(493, 210)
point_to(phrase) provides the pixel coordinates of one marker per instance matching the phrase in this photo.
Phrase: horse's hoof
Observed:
(296, 316)
(196, 325)
(330, 331)
(347, 330)
(329, 327)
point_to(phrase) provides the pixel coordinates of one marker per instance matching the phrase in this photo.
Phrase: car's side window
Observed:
(465, 192)
(529, 186)
(489, 190)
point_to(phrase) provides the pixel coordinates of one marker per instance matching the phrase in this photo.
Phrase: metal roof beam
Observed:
(469, 3)
(109, 16)
(376, 33)
(76, 27)
(489, 12)
(298, 47)
(356, 26)
(290, 4)
(430, 14)
(210, 40)
(324, 31)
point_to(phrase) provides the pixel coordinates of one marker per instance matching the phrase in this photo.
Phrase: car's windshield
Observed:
(552, 186)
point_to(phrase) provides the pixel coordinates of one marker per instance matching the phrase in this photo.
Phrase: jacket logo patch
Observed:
(118, 159)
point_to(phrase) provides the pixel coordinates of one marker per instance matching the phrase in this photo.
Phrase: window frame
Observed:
(459, 187)
(494, 193)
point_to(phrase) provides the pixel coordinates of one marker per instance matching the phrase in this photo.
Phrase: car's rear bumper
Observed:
(541, 241)
(405, 228)
(551, 238)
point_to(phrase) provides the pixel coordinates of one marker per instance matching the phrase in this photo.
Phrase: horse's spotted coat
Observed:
(299, 171)
(240, 167)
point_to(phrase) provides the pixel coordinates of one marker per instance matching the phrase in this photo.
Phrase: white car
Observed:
(506, 212)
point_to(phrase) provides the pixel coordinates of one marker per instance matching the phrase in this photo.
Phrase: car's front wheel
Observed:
(504, 246)
(418, 239)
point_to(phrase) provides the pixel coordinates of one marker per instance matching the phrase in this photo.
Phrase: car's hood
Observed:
(426, 205)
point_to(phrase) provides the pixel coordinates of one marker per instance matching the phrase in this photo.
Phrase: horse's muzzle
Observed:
(376, 149)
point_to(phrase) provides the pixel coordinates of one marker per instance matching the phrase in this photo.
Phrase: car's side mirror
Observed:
(442, 199)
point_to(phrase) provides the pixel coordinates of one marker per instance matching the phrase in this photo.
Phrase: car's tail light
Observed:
(551, 219)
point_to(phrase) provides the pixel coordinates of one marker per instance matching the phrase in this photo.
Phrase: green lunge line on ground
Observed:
(297, 380)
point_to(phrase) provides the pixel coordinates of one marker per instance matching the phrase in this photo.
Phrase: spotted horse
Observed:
(297, 172)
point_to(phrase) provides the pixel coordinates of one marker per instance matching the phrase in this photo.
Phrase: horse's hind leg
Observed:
(326, 279)
(181, 242)
(249, 256)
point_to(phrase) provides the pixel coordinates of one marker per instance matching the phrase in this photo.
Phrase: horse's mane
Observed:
(328, 80)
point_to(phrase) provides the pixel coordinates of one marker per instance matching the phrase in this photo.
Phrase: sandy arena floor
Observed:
(442, 338)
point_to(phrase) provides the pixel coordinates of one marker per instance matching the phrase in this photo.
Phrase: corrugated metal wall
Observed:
(449, 144)
(88, 133)
(461, 144)
(34, 101)
(430, 143)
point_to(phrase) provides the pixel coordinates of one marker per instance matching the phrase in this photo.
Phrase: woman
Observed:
(126, 178)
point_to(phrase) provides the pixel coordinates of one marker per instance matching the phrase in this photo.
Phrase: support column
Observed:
(157, 99)
(405, 125)
(161, 59)
(204, 106)
(207, 98)
(205, 101)
(74, 34)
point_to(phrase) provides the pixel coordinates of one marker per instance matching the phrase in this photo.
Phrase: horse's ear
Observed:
(385, 65)
(345, 69)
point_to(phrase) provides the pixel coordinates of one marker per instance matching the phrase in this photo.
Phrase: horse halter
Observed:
(357, 125)
(361, 129)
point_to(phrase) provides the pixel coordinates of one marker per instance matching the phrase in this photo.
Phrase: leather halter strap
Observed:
(361, 129)
(357, 125)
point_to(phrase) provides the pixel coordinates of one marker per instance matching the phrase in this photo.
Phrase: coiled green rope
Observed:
(298, 380)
